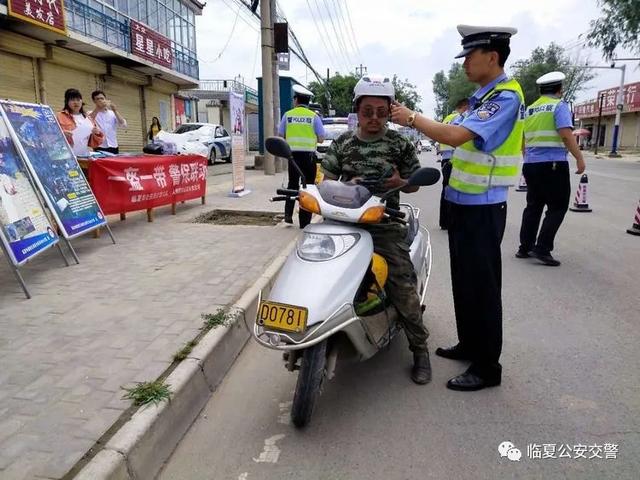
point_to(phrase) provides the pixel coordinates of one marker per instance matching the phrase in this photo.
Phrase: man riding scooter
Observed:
(371, 152)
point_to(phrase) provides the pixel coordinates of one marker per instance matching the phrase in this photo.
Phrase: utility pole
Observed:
(361, 70)
(266, 30)
(595, 151)
(619, 107)
(276, 84)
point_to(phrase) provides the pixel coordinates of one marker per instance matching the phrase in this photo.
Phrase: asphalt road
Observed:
(570, 377)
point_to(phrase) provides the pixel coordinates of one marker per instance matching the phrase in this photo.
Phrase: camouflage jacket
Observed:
(349, 157)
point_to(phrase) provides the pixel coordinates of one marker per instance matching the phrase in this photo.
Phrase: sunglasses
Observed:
(379, 112)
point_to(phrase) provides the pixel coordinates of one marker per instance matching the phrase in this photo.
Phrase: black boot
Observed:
(421, 371)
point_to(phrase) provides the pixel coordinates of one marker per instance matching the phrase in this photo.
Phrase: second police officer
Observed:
(548, 135)
(485, 164)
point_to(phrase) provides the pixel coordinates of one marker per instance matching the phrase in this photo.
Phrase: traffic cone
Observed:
(635, 228)
(522, 186)
(580, 203)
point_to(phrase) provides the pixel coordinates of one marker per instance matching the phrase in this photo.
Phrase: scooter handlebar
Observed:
(392, 212)
(286, 192)
(281, 198)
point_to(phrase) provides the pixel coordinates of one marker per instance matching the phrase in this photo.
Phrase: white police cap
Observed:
(302, 91)
(551, 78)
(477, 36)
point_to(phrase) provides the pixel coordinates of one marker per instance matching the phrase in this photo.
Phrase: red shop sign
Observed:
(150, 44)
(44, 13)
(126, 184)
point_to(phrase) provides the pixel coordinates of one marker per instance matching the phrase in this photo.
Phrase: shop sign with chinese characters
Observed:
(44, 13)
(149, 44)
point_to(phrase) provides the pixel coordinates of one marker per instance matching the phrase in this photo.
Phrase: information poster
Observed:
(47, 154)
(25, 230)
(236, 105)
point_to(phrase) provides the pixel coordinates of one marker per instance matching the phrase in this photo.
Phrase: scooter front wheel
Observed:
(310, 377)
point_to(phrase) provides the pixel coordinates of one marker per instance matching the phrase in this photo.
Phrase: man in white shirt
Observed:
(108, 118)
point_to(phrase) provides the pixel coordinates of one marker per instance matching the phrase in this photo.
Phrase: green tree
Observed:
(406, 93)
(545, 60)
(449, 88)
(619, 25)
(341, 92)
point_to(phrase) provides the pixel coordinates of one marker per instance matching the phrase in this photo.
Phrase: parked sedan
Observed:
(214, 137)
(333, 131)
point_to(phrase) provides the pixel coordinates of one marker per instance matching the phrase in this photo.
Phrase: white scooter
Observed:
(329, 296)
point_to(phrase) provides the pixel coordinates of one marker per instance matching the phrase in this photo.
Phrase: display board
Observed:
(53, 166)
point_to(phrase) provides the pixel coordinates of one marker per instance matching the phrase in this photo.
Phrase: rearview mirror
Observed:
(277, 147)
(424, 177)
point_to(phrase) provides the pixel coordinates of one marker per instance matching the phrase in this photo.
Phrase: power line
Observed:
(322, 37)
(343, 25)
(339, 40)
(353, 33)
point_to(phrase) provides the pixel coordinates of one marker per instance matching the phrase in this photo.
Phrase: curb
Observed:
(142, 445)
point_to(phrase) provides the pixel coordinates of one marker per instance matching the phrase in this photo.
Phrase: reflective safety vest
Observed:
(475, 171)
(448, 119)
(540, 124)
(299, 131)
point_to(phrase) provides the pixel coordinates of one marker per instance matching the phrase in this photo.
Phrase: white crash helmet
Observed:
(374, 86)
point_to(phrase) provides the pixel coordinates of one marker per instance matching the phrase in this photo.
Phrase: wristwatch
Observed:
(411, 119)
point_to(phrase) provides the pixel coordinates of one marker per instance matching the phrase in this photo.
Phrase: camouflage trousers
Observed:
(401, 287)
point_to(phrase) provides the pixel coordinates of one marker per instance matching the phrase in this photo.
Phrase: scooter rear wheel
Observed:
(310, 377)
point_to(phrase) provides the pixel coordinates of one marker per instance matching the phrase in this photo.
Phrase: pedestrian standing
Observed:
(303, 130)
(485, 163)
(548, 136)
(446, 152)
(80, 129)
(108, 118)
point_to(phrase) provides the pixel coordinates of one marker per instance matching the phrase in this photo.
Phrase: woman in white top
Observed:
(80, 130)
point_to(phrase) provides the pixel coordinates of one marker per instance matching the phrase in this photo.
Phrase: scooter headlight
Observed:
(319, 247)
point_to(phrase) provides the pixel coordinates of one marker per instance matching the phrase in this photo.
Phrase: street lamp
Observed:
(619, 105)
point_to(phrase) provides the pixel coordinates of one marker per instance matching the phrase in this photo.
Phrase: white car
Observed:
(332, 131)
(214, 137)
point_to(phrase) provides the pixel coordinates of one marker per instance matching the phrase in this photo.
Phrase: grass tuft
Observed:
(147, 392)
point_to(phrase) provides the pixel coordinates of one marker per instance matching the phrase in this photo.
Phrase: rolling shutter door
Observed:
(158, 105)
(126, 96)
(17, 78)
(57, 79)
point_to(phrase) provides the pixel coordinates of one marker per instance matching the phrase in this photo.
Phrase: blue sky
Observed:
(411, 38)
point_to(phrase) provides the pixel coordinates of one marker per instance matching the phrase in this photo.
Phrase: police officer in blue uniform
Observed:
(548, 137)
(484, 164)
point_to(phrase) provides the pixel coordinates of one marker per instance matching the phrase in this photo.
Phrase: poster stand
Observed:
(98, 219)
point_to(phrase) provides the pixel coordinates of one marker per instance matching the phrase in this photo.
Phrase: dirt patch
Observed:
(240, 217)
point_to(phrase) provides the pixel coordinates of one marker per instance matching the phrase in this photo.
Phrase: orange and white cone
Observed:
(580, 203)
(635, 228)
(522, 186)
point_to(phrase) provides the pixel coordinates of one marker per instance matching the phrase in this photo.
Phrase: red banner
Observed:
(126, 184)
(149, 44)
(44, 13)
(586, 110)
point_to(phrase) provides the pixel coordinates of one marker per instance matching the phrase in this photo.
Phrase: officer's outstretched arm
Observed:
(454, 135)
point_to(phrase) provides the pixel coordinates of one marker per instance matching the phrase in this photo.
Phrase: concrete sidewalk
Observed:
(115, 319)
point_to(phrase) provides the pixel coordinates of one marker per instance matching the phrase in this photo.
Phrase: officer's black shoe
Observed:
(288, 220)
(521, 253)
(453, 353)
(421, 371)
(470, 382)
(546, 259)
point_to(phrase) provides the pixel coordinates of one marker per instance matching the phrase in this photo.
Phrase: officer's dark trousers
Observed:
(444, 203)
(547, 184)
(475, 235)
(307, 163)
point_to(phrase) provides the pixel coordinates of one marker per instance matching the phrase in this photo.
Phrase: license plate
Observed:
(280, 316)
